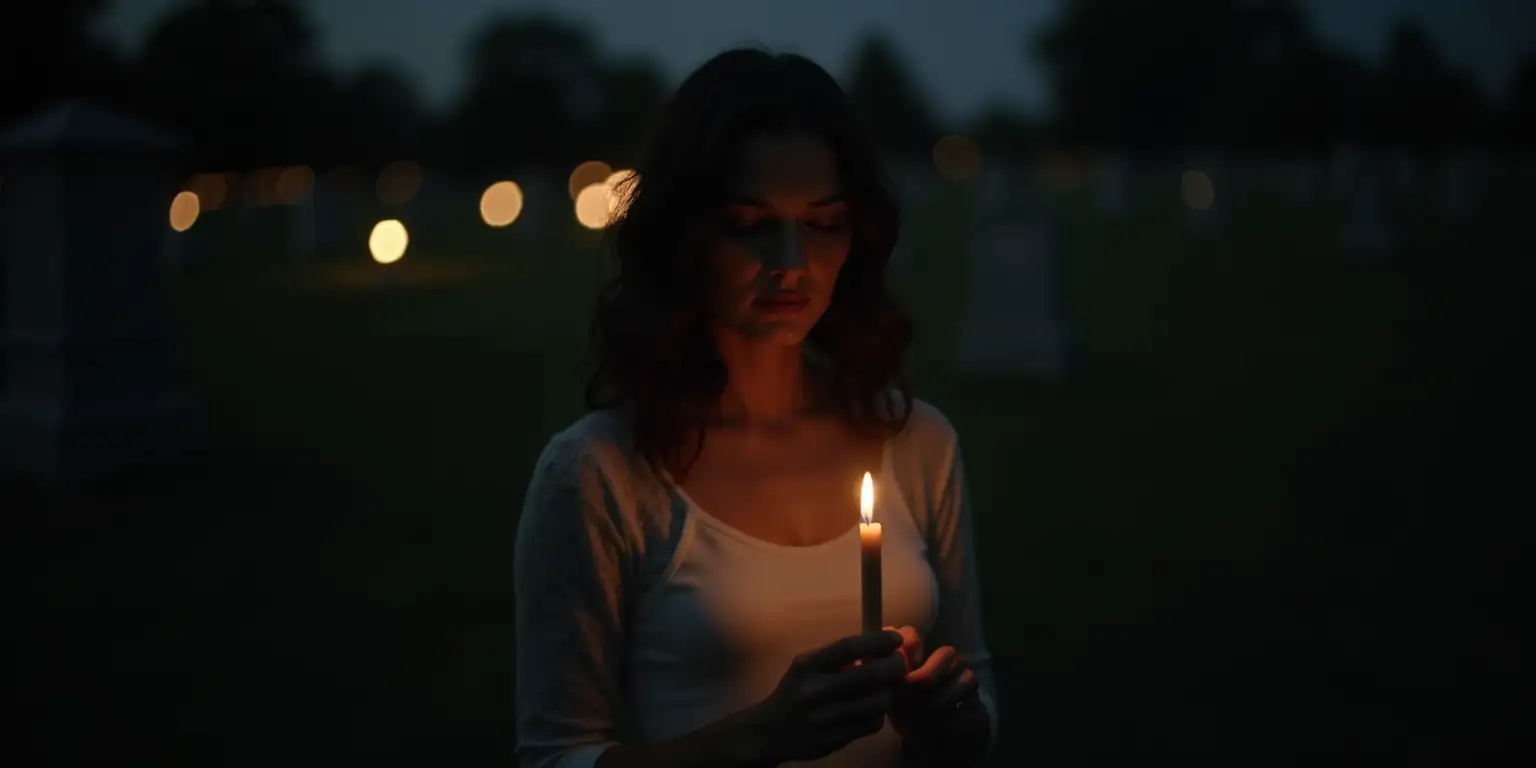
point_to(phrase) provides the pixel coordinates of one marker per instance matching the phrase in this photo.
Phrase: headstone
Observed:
(1460, 184)
(1368, 234)
(1111, 184)
(1015, 323)
(89, 387)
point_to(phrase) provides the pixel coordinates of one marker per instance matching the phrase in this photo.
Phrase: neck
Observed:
(766, 383)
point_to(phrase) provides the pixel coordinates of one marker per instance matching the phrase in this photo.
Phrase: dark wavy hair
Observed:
(655, 356)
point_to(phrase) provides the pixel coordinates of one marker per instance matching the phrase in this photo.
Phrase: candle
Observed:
(869, 556)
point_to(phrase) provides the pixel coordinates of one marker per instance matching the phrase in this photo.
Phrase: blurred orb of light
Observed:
(585, 175)
(184, 210)
(957, 158)
(399, 182)
(212, 189)
(620, 185)
(294, 184)
(1060, 169)
(594, 206)
(262, 186)
(388, 240)
(501, 203)
(1197, 190)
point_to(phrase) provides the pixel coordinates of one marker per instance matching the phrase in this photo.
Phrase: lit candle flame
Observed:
(867, 501)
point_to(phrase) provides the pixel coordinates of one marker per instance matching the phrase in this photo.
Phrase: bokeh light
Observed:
(501, 203)
(594, 206)
(184, 210)
(588, 173)
(399, 182)
(957, 158)
(212, 190)
(1197, 190)
(262, 186)
(294, 184)
(619, 187)
(388, 240)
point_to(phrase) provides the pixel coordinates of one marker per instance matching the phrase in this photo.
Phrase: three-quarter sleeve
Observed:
(953, 548)
(569, 569)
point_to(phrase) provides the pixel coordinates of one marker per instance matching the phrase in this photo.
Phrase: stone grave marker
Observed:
(89, 388)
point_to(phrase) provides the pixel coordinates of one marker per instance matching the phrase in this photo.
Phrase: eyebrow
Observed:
(832, 199)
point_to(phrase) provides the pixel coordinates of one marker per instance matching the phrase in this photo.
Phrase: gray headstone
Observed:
(1368, 235)
(88, 386)
(1015, 322)
(1111, 184)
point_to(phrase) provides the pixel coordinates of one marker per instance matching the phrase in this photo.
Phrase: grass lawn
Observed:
(1226, 537)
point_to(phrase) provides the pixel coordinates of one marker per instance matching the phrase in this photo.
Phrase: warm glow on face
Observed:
(501, 203)
(867, 500)
(184, 210)
(593, 206)
(388, 241)
(585, 175)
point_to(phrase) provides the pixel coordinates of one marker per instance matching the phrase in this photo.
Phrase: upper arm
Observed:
(569, 565)
(953, 547)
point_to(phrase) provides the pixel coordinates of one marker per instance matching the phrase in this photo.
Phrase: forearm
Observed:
(725, 743)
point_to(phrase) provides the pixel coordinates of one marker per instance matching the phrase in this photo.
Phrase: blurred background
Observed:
(1220, 295)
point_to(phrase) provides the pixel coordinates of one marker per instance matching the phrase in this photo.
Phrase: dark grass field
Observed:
(1255, 526)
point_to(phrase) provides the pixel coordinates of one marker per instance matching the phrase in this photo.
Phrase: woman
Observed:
(686, 567)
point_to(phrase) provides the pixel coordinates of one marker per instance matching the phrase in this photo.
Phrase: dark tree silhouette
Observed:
(385, 115)
(49, 53)
(888, 100)
(1519, 119)
(1002, 131)
(241, 80)
(1421, 103)
(533, 86)
(633, 92)
(1164, 76)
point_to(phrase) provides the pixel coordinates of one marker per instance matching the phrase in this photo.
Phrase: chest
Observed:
(797, 495)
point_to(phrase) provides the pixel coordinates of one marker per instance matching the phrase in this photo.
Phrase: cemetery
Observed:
(1102, 339)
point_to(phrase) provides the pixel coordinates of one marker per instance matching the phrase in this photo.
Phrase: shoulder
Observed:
(928, 433)
(590, 470)
(928, 425)
(600, 441)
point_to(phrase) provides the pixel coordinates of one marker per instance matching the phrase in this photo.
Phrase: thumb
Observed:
(911, 646)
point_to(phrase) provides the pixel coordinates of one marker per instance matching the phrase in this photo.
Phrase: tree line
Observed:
(244, 83)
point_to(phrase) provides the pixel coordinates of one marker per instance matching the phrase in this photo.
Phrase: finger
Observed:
(883, 674)
(850, 649)
(911, 646)
(865, 705)
(851, 719)
(963, 688)
(934, 667)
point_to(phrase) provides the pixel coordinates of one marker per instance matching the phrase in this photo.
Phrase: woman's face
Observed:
(784, 238)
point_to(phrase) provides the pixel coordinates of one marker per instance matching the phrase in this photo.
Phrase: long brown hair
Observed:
(655, 356)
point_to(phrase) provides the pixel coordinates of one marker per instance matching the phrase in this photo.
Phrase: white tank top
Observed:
(719, 631)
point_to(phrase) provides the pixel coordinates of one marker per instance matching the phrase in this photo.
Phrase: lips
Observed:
(783, 302)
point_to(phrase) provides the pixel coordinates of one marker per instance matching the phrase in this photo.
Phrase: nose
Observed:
(786, 252)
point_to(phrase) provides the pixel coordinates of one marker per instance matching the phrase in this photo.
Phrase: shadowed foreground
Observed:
(1255, 524)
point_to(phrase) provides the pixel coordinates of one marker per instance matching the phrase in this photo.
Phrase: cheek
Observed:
(733, 276)
(825, 263)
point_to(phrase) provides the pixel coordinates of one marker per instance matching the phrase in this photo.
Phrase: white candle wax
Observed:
(869, 557)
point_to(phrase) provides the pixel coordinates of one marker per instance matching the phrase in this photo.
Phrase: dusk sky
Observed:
(965, 53)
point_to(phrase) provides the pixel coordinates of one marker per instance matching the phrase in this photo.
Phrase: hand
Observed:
(828, 699)
(939, 702)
